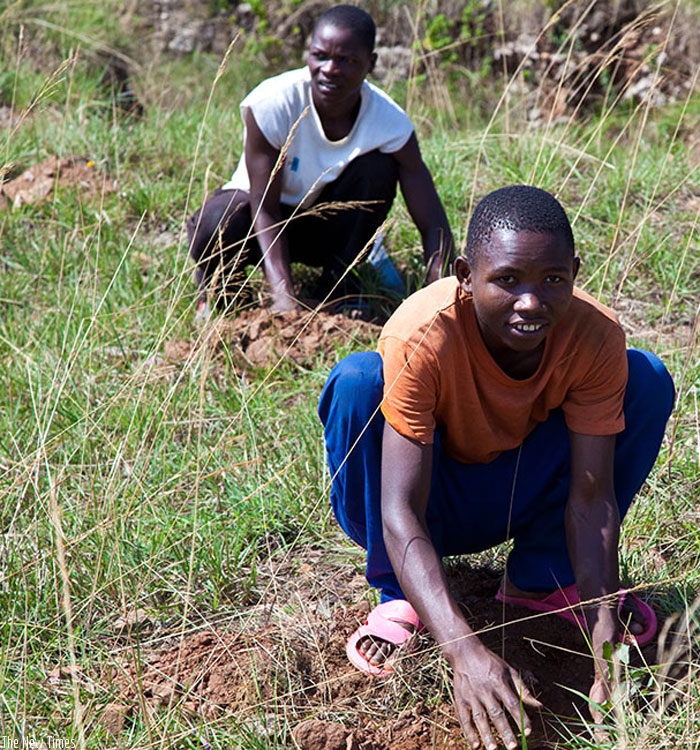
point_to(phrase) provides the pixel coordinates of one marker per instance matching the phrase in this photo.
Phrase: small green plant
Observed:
(474, 17)
(439, 37)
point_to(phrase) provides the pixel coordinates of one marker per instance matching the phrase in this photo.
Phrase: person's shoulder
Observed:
(288, 81)
(380, 99)
(420, 311)
(589, 311)
(293, 77)
(591, 327)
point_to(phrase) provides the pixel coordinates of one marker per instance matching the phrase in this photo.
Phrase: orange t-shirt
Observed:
(438, 374)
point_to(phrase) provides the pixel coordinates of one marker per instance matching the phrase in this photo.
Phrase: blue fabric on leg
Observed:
(474, 507)
(353, 428)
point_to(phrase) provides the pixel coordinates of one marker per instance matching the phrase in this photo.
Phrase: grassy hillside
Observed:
(153, 485)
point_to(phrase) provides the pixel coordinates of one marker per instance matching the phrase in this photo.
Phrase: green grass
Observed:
(176, 490)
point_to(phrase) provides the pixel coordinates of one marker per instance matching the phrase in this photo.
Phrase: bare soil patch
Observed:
(285, 662)
(40, 181)
(258, 339)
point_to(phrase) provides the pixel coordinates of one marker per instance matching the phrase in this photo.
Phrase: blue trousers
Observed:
(521, 495)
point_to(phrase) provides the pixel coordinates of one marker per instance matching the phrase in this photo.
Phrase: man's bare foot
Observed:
(388, 629)
(377, 650)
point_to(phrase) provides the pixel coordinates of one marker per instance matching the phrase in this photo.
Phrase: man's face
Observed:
(339, 63)
(522, 284)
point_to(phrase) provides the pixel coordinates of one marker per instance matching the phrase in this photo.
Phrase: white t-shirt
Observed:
(283, 110)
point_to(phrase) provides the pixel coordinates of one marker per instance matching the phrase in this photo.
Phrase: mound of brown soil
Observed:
(284, 665)
(39, 182)
(261, 339)
(257, 338)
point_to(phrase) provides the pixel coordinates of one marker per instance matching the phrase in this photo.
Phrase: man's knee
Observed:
(201, 228)
(355, 382)
(223, 220)
(192, 226)
(650, 383)
(360, 367)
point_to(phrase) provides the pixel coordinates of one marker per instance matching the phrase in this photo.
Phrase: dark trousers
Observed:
(521, 495)
(221, 237)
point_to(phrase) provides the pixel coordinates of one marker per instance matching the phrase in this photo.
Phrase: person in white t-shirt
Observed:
(323, 152)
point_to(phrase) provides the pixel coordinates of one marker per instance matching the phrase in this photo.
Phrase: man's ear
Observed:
(372, 62)
(577, 266)
(463, 272)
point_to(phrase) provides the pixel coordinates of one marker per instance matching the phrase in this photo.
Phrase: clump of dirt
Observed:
(279, 662)
(39, 182)
(206, 673)
(315, 734)
(256, 338)
(260, 339)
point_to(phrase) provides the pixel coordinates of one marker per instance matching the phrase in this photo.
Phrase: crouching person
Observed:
(502, 404)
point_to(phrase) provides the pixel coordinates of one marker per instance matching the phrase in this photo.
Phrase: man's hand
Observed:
(488, 695)
(592, 534)
(284, 302)
(488, 692)
(262, 161)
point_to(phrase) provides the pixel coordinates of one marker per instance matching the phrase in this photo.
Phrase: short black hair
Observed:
(516, 208)
(358, 21)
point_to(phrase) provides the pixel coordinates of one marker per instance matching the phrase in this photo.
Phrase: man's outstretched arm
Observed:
(487, 690)
(265, 190)
(426, 210)
(593, 533)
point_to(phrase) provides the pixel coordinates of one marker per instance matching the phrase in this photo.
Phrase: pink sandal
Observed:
(565, 603)
(382, 624)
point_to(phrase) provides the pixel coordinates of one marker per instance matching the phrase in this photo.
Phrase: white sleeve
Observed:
(271, 112)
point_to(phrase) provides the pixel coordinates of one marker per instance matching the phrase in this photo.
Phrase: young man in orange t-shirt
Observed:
(502, 403)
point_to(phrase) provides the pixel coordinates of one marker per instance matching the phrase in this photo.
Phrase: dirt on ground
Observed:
(284, 661)
(258, 339)
(40, 181)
